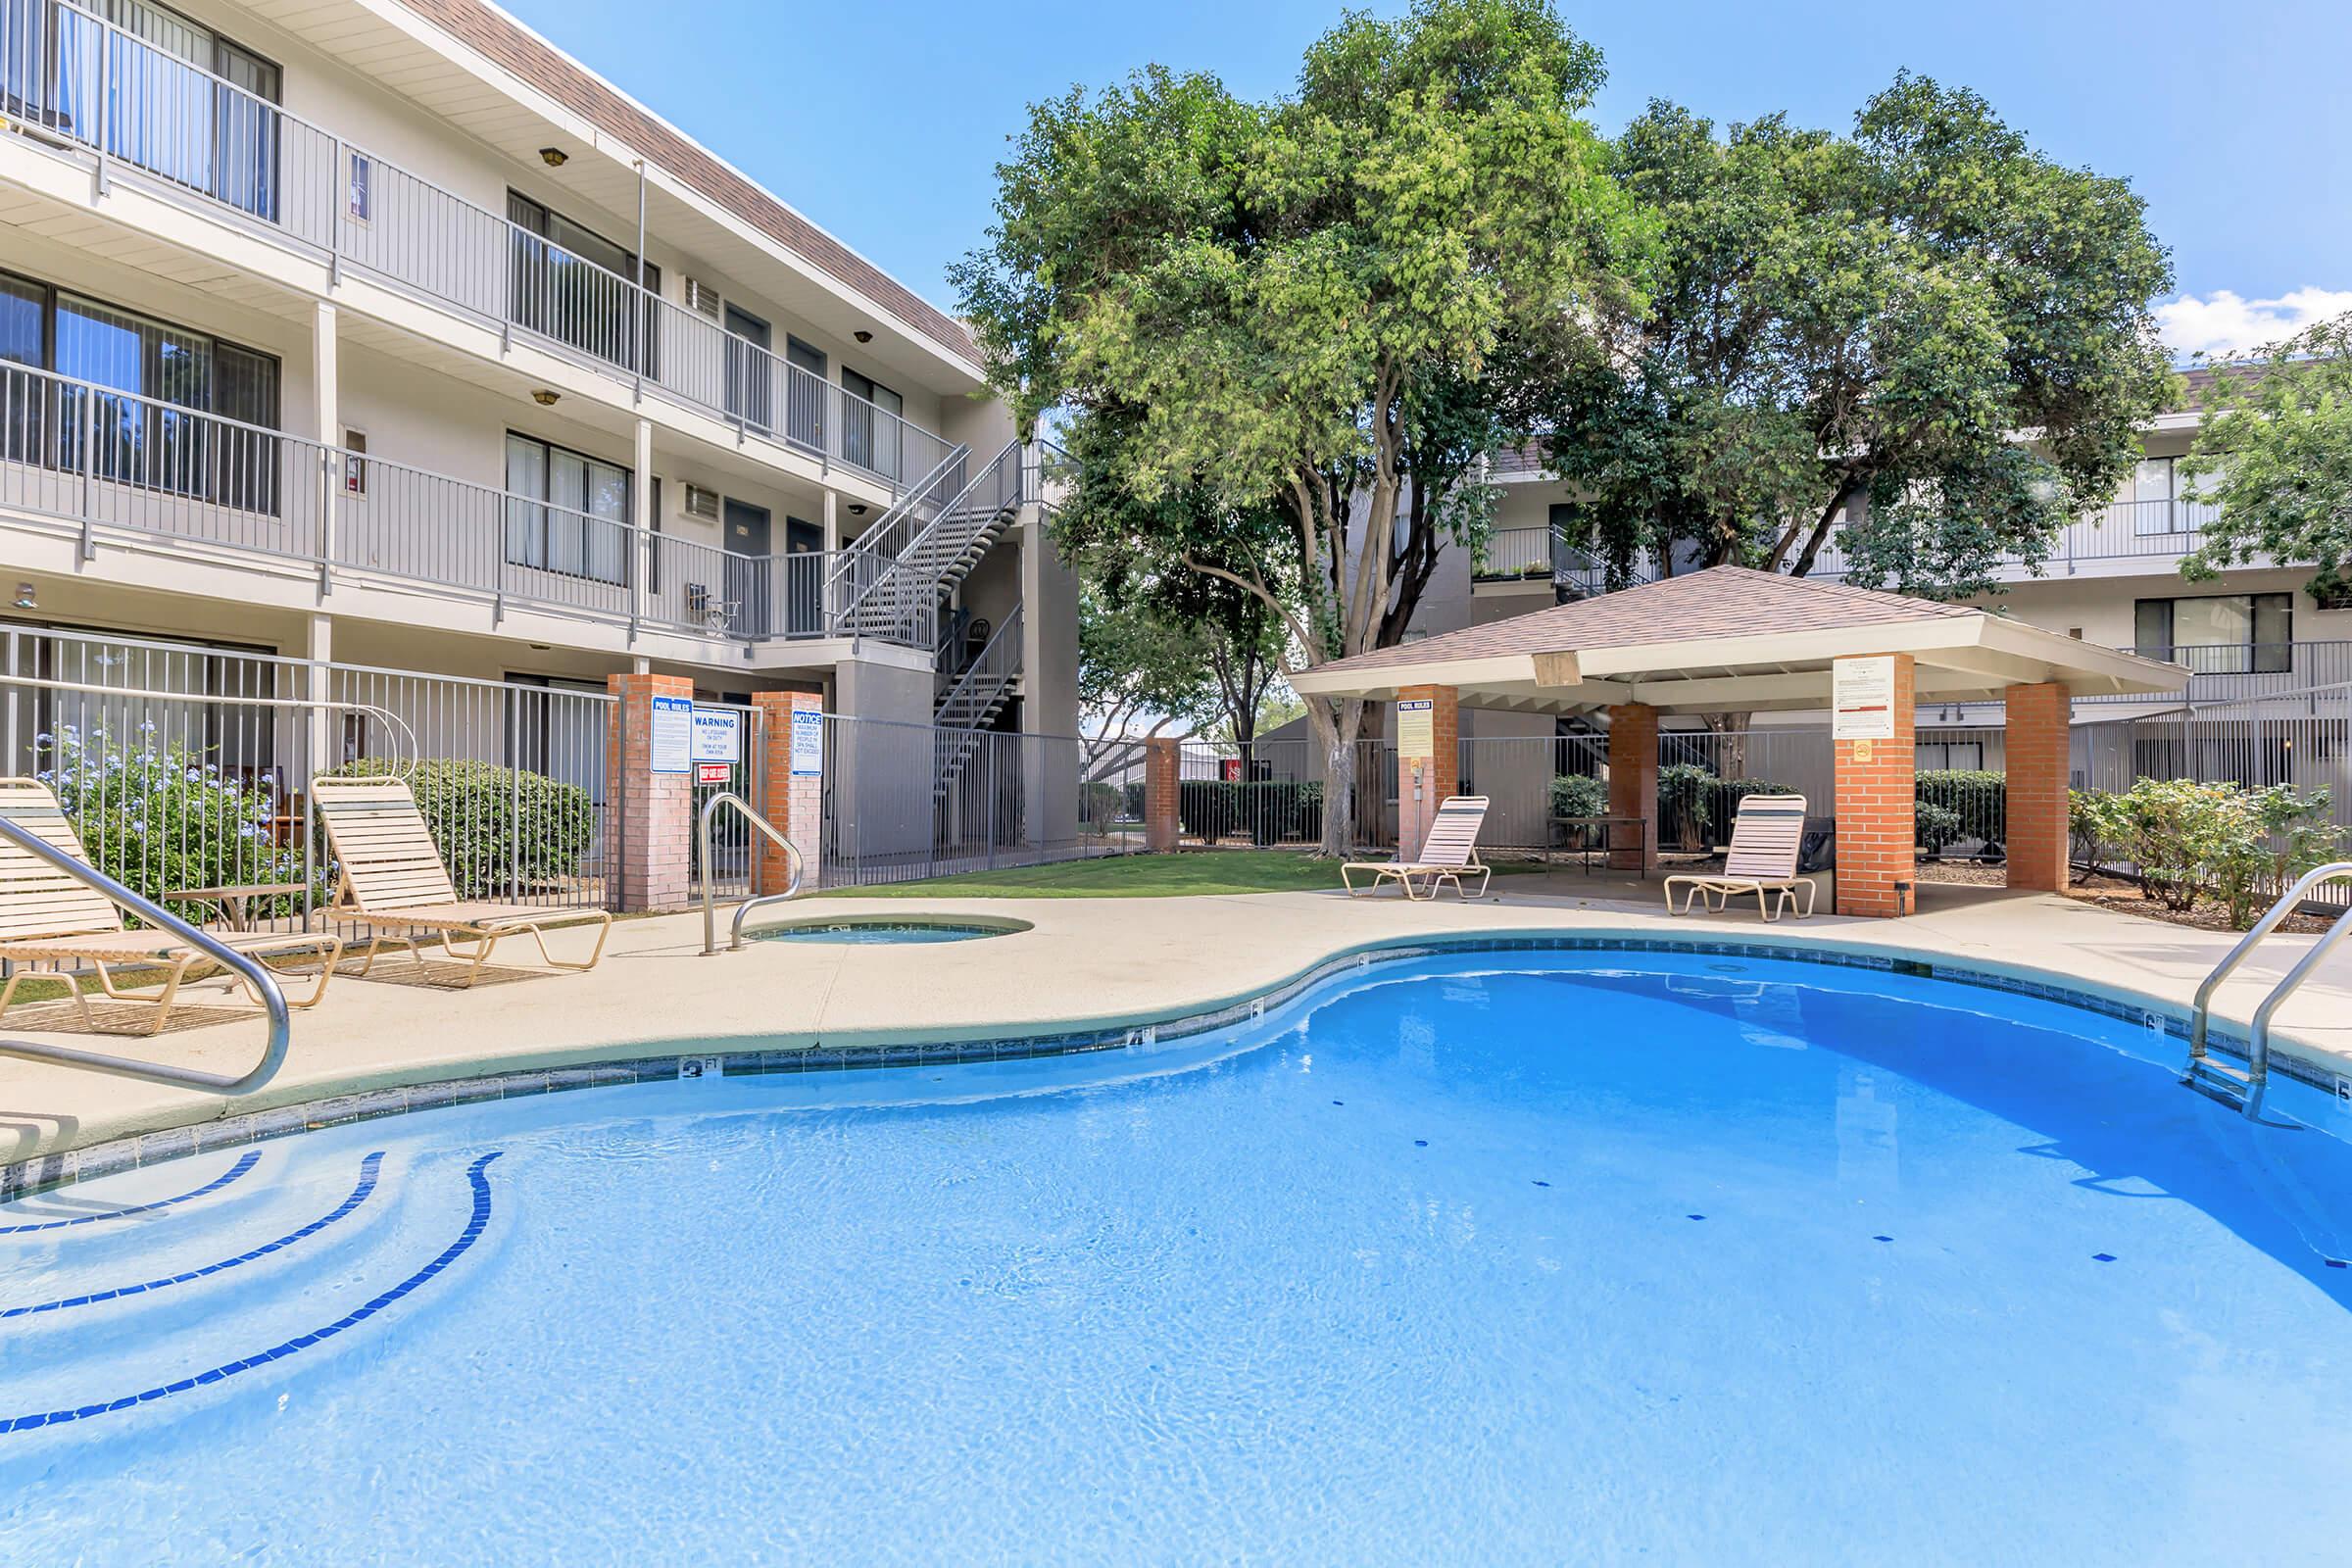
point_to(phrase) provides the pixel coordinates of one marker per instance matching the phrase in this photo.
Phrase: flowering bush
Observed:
(158, 819)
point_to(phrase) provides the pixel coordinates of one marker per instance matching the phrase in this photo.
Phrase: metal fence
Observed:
(187, 768)
(892, 813)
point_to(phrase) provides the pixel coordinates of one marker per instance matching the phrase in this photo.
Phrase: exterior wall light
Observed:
(546, 397)
(554, 157)
(862, 335)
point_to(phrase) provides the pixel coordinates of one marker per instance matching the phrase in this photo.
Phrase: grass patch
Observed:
(1193, 873)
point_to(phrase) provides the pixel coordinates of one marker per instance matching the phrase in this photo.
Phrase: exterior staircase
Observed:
(893, 580)
(969, 701)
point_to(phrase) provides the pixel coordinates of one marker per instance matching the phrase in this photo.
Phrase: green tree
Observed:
(2276, 452)
(1137, 675)
(1856, 329)
(1306, 318)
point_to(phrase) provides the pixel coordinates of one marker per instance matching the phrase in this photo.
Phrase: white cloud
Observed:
(2222, 323)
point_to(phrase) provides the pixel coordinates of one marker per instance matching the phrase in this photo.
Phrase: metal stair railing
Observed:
(2200, 1072)
(870, 561)
(792, 884)
(249, 969)
(995, 665)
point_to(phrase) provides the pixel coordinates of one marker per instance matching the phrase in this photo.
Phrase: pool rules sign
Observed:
(1862, 703)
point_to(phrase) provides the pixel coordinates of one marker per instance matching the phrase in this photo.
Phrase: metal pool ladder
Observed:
(2242, 1090)
(792, 885)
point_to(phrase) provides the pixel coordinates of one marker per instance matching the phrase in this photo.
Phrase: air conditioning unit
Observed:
(701, 296)
(700, 502)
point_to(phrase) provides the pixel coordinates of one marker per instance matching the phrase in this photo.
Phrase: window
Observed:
(568, 282)
(581, 528)
(870, 434)
(2220, 634)
(359, 198)
(143, 373)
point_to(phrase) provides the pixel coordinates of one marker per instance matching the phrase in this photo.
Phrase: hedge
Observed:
(496, 827)
(1976, 804)
(1268, 811)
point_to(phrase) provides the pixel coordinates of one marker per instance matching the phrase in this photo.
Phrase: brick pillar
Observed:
(652, 813)
(1878, 811)
(792, 801)
(1423, 780)
(1160, 760)
(1634, 783)
(2040, 738)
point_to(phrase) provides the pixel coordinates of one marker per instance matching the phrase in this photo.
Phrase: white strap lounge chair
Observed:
(1449, 854)
(1767, 839)
(51, 921)
(390, 878)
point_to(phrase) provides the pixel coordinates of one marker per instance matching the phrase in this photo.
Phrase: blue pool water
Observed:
(1497, 1259)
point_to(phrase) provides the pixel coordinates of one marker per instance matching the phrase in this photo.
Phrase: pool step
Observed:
(2218, 1081)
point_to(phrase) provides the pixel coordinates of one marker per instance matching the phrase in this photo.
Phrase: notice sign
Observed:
(807, 742)
(1416, 729)
(713, 772)
(673, 734)
(1862, 700)
(719, 734)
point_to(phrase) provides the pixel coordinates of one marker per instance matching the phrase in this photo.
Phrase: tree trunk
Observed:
(1337, 733)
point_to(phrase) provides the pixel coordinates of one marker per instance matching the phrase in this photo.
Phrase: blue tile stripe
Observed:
(245, 1162)
(474, 1226)
(359, 1195)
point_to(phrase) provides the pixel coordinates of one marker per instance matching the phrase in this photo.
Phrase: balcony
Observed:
(98, 460)
(1540, 554)
(316, 192)
(2237, 673)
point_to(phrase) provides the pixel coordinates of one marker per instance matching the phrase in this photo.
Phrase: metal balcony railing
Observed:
(95, 458)
(2241, 671)
(72, 78)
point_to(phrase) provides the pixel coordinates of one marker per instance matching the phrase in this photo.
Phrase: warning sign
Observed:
(712, 772)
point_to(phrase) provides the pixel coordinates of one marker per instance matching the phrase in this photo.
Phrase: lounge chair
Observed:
(51, 921)
(1449, 853)
(1767, 838)
(390, 878)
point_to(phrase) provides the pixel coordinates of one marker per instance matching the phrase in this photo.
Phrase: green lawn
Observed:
(1132, 876)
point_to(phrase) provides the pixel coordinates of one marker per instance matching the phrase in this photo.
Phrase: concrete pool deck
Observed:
(1086, 963)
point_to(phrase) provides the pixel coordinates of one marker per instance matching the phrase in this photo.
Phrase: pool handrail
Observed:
(2258, 1038)
(250, 969)
(792, 885)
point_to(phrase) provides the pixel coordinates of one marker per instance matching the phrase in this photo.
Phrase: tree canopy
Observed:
(2275, 456)
(1853, 330)
(1284, 332)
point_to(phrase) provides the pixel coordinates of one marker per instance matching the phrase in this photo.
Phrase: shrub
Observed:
(1685, 803)
(1935, 826)
(1099, 802)
(1978, 801)
(496, 827)
(2291, 835)
(1131, 804)
(2094, 830)
(1578, 795)
(162, 818)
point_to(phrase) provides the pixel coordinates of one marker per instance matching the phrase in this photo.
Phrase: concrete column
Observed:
(327, 416)
(324, 735)
(641, 518)
(1160, 768)
(1633, 784)
(1877, 807)
(2040, 738)
(1429, 762)
(652, 813)
(793, 802)
(832, 519)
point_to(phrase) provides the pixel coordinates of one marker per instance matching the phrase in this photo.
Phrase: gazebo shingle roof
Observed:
(1720, 602)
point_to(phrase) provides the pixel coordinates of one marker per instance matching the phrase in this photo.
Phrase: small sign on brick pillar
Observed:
(792, 786)
(1871, 730)
(1429, 761)
(650, 792)
(1160, 767)
(2040, 736)
(1634, 785)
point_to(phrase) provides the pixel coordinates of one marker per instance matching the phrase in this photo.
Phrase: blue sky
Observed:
(884, 121)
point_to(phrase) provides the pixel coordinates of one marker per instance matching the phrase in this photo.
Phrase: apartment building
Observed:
(2112, 577)
(382, 332)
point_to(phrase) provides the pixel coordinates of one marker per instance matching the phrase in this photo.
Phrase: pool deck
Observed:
(1086, 964)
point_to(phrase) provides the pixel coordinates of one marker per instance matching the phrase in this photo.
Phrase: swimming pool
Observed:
(1505, 1257)
(883, 930)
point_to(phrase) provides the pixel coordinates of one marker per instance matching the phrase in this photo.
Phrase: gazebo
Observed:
(1734, 639)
